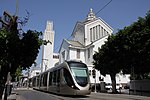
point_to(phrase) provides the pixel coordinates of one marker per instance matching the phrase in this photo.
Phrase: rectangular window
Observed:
(99, 31)
(38, 79)
(58, 76)
(54, 76)
(88, 52)
(91, 36)
(45, 79)
(50, 78)
(78, 53)
(94, 34)
(102, 31)
(56, 56)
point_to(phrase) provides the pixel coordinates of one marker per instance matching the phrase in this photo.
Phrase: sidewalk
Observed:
(13, 95)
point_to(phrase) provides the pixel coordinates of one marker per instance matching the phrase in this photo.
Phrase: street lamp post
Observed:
(95, 83)
(28, 80)
(94, 76)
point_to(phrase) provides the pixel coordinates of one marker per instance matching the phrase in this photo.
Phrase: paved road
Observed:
(25, 94)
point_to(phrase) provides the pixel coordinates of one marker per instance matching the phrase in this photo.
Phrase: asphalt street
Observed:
(29, 94)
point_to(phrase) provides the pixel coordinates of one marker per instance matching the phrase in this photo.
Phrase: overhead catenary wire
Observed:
(81, 26)
(103, 7)
(55, 49)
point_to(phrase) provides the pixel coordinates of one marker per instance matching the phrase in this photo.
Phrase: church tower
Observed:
(91, 15)
(47, 50)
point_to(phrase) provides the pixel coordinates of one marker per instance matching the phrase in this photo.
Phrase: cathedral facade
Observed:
(87, 36)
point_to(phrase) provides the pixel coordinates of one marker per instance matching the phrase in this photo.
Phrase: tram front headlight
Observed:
(74, 87)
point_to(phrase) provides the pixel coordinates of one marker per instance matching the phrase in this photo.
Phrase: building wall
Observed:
(95, 31)
(73, 55)
(55, 59)
(89, 56)
(63, 52)
(92, 35)
(34, 72)
(47, 55)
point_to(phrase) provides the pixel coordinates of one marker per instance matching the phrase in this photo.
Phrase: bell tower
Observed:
(47, 50)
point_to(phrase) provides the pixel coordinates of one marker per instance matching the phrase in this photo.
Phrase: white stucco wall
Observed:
(93, 24)
(89, 59)
(64, 48)
(55, 60)
(47, 54)
(81, 33)
(34, 72)
(73, 55)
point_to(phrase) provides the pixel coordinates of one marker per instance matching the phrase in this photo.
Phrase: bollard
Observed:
(8, 89)
(6, 93)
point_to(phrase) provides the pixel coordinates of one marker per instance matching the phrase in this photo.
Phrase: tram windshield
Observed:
(79, 72)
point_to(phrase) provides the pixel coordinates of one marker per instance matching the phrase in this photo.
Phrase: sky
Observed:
(65, 14)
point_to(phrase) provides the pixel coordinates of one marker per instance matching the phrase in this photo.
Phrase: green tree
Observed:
(137, 41)
(18, 73)
(128, 49)
(17, 50)
(105, 62)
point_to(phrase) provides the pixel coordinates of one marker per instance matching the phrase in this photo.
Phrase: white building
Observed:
(34, 71)
(87, 36)
(49, 58)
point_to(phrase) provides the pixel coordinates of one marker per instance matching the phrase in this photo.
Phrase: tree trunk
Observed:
(113, 80)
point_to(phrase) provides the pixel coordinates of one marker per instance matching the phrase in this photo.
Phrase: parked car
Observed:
(118, 86)
(108, 86)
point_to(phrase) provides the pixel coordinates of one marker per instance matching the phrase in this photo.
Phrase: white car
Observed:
(108, 86)
(118, 86)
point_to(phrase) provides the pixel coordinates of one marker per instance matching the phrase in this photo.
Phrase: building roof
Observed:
(72, 43)
(89, 19)
(75, 43)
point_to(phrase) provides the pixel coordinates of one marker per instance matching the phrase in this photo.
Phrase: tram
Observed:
(68, 78)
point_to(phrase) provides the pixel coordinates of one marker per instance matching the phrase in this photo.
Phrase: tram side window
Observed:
(34, 82)
(41, 80)
(45, 80)
(68, 77)
(50, 79)
(38, 79)
(54, 77)
(58, 76)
